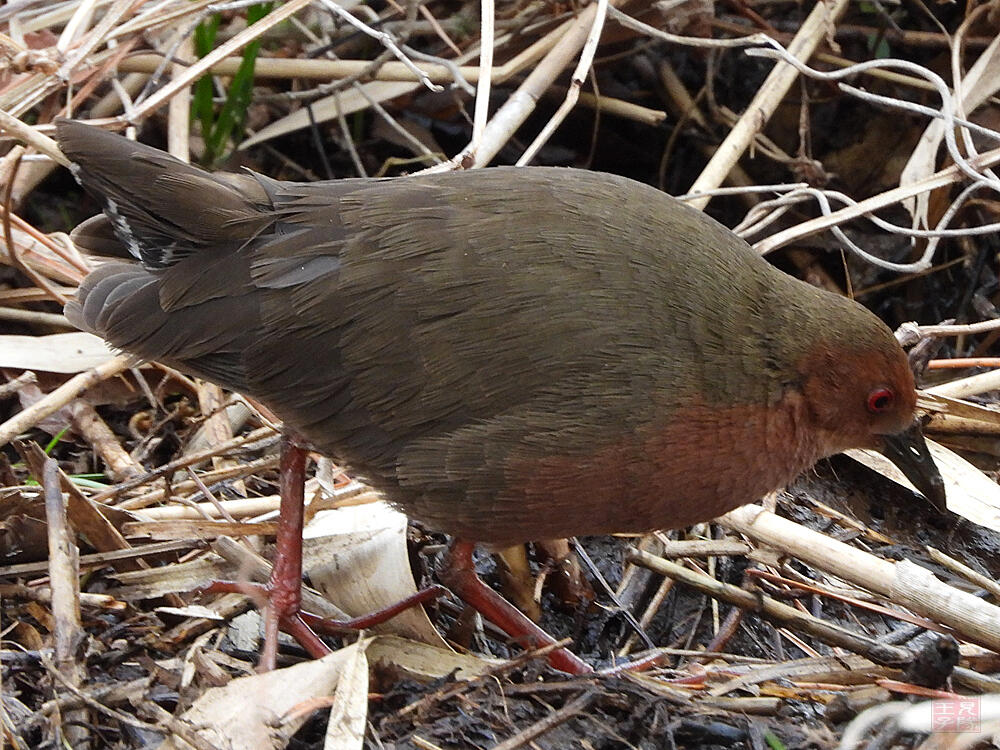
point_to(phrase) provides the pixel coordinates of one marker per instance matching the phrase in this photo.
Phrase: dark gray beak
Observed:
(908, 450)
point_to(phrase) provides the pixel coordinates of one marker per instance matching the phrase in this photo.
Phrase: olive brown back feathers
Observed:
(508, 354)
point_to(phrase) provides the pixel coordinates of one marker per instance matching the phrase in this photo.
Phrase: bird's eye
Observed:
(880, 400)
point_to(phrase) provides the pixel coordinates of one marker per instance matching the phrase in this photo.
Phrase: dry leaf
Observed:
(325, 109)
(60, 352)
(256, 711)
(424, 662)
(357, 557)
(349, 712)
(971, 494)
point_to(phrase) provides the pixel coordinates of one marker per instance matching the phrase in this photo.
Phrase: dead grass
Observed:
(769, 631)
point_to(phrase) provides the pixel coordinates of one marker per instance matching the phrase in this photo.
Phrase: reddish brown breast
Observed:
(705, 462)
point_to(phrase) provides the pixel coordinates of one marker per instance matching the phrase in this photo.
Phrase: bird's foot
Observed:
(281, 597)
(281, 605)
(458, 574)
(564, 576)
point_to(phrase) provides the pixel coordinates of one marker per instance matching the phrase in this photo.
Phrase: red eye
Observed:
(880, 400)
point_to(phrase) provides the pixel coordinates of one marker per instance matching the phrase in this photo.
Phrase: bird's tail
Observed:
(184, 225)
(157, 208)
(101, 293)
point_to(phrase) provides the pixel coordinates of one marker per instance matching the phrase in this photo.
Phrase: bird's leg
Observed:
(458, 574)
(285, 585)
(282, 594)
(565, 577)
(517, 582)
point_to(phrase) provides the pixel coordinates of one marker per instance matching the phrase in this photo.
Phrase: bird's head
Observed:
(860, 392)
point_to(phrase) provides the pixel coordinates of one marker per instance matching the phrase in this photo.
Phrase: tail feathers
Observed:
(85, 310)
(120, 303)
(158, 208)
(96, 236)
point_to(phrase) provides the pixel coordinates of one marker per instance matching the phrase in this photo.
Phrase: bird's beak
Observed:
(908, 450)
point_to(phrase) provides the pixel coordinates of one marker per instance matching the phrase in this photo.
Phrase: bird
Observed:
(507, 354)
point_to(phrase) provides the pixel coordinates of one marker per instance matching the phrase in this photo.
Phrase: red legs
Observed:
(282, 594)
(285, 586)
(327, 626)
(458, 574)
